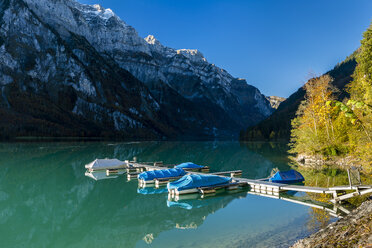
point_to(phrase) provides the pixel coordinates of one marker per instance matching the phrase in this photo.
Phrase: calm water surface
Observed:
(47, 201)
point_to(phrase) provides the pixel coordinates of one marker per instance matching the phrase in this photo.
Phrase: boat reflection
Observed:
(151, 190)
(102, 174)
(194, 201)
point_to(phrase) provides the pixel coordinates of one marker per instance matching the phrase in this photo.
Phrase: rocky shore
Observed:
(317, 161)
(355, 230)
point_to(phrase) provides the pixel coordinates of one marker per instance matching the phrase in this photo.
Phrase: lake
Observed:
(47, 201)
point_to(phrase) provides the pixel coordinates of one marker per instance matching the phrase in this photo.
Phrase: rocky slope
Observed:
(352, 231)
(275, 101)
(78, 70)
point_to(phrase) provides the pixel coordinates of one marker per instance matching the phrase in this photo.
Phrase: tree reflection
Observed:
(318, 219)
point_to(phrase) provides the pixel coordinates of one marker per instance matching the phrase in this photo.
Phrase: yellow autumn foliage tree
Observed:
(316, 127)
(331, 128)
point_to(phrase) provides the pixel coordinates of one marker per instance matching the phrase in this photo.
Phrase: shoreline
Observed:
(354, 230)
(318, 161)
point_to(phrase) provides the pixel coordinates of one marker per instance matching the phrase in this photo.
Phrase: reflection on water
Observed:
(47, 201)
(193, 201)
(151, 190)
(102, 174)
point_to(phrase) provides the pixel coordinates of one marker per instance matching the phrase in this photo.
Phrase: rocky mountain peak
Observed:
(152, 40)
(192, 54)
(156, 46)
(97, 69)
(98, 7)
(104, 13)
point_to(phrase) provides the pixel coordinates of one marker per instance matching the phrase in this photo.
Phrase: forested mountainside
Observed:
(69, 69)
(278, 125)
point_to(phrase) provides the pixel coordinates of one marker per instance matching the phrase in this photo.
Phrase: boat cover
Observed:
(189, 165)
(290, 176)
(151, 191)
(102, 164)
(151, 175)
(196, 181)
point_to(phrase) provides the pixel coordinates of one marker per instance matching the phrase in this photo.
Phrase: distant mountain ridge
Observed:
(278, 125)
(275, 101)
(69, 69)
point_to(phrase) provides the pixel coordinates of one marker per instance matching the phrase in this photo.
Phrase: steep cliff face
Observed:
(74, 69)
(62, 86)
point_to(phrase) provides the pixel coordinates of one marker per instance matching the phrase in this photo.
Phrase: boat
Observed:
(287, 177)
(151, 176)
(192, 167)
(191, 183)
(104, 164)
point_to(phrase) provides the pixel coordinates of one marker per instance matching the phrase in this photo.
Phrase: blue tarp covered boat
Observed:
(287, 177)
(191, 183)
(149, 176)
(189, 165)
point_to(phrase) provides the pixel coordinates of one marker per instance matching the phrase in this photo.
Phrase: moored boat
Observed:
(287, 177)
(104, 164)
(189, 166)
(150, 176)
(191, 183)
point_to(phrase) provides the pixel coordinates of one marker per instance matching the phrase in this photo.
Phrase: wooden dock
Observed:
(265, 187)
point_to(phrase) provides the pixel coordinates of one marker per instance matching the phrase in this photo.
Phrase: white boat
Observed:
(104, 164)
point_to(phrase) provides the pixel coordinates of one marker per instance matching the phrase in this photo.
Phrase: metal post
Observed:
(348, 174)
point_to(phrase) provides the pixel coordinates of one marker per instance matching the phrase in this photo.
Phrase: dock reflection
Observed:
(301, 198)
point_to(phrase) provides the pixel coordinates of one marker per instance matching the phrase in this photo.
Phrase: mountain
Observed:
(275, 101)
(278, 125)
(69, 69)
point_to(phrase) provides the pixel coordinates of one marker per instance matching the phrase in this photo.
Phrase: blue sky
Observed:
(273, 44)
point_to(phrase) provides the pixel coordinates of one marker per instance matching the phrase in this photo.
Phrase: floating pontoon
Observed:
(200, 182)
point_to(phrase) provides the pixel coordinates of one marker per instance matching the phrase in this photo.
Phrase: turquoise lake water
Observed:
(47, 201)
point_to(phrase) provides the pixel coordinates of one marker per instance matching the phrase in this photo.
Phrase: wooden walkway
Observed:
(271, 189)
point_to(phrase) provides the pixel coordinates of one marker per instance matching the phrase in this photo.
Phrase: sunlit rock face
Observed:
(98, 77)
(275, 101)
